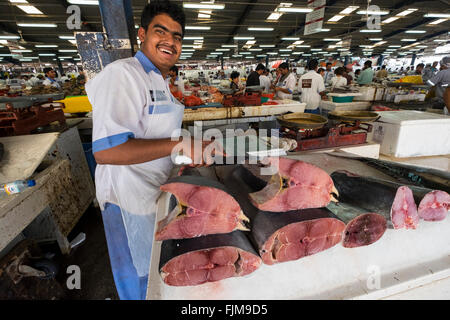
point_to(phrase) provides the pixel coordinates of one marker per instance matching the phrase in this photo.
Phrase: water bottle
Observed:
(16, 186)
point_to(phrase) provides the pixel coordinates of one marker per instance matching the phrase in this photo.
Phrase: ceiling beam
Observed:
(241, 19)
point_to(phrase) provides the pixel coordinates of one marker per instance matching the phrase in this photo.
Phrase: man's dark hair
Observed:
(284, 65)
(156, 7)
(358, 71)
(260, 67)
(234, 75)
(339, 71)
(320, 70)
(329, 64)
(312, 64)
(47, 70)
(383, 67)
(174, 69)
(368, 63)
(420, 65)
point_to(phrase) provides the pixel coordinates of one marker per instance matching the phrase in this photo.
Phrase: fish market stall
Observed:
(402, 262)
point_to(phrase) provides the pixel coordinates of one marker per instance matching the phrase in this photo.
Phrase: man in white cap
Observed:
(441, 81)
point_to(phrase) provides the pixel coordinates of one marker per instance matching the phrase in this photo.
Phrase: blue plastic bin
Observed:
(87, 147)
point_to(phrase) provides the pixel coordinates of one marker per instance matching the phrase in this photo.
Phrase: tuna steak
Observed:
(204, 207)
(286, 236)
(189, 262)
(296, 185)
(404, 209)
(434, 206)
(362, 228)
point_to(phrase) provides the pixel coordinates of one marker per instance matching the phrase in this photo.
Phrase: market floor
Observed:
(91, 256)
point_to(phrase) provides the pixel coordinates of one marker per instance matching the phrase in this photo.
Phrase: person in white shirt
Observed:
(339, 81)
(50, 78)
(264, 81)
(311, 87)
(284, 89)
(176, 82)
(134, 118)
(329, 74)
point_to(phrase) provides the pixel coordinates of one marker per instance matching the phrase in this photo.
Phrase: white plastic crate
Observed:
(408, 133)
(327, 106)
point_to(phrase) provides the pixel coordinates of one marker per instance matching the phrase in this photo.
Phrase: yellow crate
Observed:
(76, 104)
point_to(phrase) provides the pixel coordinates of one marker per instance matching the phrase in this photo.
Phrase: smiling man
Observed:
(134, 116)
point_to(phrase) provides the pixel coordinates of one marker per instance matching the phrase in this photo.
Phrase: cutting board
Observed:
(23, 154)
(400, 260)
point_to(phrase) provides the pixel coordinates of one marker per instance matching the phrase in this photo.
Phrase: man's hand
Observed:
(201, 152)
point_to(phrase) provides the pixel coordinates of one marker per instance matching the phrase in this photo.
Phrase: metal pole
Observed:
(413, 59)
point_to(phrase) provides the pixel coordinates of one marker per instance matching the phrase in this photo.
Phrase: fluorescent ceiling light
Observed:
(249, 57)
(415, 31)
(261, 55)
(197, 28)
(349, 9)
(408, 40)
(259, 29)
(255, 49)
(67, 37)
(63, 50)
(285, 55)
(216, 53)
(46, 46)
(324, 30)
(343, 49)
(74, 42)
(229, 46)
(336, 18)
(222, 49)
(267, 45)
(236, 55)
(290, 39)
(274, 16)
(316, 49)
(307, 55)
(37, 25)
(294, 9)
(18, 1)
(245, 53)
(297, 53)
(364, 46)
(29, 9)
(21, 50)
(46, 54)
(437, 15)
(84, 2)
(406, 12)
(422, 46)
(370, 30)
(438, 21)
(304, 46)
(203, 6)
(395, 46)
(375, 39)
(391, 49)
(285, 50)
(244, 38)
(298, 42)
(440, 40)
(332, 39)
(251, 42)
(187, 50)
(9, 37)
(272, 53)
(25, 60)
(389, 20)
(66, 57)
(193, 38)
(375, 13)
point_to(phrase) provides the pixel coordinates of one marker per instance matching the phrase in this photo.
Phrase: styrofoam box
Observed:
(327, 106)
(409, 133)
(370, 94)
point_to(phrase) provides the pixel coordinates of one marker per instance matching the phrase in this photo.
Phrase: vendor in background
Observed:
(434, 68)
(176, 84)
(329, 74)
(382, 73)
(284, 89)
(441, 81)
(235, 85)
(265, 81)
(312, 88)
(253, 78)
(339, 81)
(366, 75)
(50, 78)
(427, 73)
(349, 70)
(419, 69)
(321, 71)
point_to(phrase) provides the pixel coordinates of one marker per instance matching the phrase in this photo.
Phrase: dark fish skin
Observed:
(176, 247)
(370, 194)
(407, 174)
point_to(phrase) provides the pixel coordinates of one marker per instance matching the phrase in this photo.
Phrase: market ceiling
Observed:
(238, 19)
